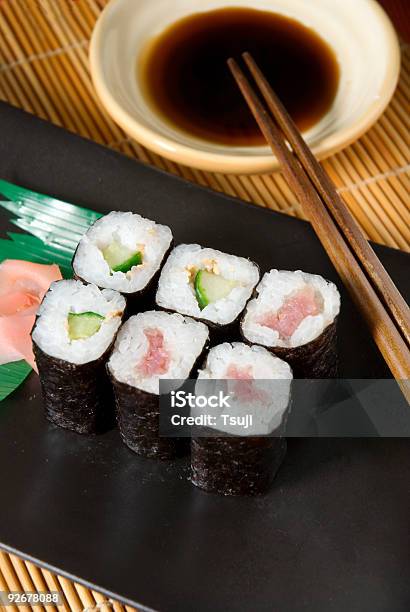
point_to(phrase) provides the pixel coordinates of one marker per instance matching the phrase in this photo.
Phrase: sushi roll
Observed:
(232, 460)
(72, 338)
(294, 315)
(122, 251)
(206, 284)
(152, 346)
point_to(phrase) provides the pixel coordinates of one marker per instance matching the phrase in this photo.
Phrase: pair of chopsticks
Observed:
(369, 284)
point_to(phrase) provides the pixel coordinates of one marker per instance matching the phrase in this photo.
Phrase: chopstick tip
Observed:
(234, 68)
(249, 61)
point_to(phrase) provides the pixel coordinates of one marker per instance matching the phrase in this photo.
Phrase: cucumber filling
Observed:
(83, 325)
(120, 258)
(210, 287)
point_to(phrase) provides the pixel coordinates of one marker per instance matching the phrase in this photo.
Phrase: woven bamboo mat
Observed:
(16, 575)
(44, 69)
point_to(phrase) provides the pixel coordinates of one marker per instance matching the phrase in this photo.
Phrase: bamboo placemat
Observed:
(17, 575)
(44, 70)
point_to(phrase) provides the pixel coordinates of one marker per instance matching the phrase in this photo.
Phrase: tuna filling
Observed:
(293, 311)
(244, 387)
(157, 358)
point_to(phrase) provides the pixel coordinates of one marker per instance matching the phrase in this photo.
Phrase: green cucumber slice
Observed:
(83, 325)
(121, 258)
(211, 287)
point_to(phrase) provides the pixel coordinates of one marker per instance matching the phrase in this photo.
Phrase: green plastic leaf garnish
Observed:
(56, 228)
(30, 248)
(53, 221)
(11, 377)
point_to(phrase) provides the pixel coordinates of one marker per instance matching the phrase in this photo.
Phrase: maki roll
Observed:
(233, 460)
(72, 337)
(206, 284)
(295, 315)
(151, 346)
(122, 251)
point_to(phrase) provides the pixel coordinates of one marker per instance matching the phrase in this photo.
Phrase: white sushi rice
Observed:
(65, 296)
(184, 339)
(269, 386)
(132, 231)
(176, 290)
(275, 287)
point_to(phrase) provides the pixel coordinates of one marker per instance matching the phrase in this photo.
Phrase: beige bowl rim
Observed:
(231, 163)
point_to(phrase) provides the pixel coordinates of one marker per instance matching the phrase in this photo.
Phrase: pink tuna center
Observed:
(294, 310)
(244, 387)
(234, 372)
(156, 359)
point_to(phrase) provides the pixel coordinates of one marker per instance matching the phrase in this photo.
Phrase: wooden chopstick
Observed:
(388, 291)
(383, 328)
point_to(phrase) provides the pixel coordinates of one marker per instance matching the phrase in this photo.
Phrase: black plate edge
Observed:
(249, 205)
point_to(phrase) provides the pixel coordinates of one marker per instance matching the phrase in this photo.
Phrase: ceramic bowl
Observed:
(359, 31)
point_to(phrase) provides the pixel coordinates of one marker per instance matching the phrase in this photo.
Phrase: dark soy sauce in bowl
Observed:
(185, 78)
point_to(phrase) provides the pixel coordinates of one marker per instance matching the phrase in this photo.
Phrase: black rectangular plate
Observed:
(331, 535)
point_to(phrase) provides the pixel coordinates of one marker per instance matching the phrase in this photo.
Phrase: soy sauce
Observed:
(185, 78)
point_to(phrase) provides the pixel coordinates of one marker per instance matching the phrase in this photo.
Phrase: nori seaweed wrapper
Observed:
(236, 465)
(316, 359)
(76, 396)
(138, 421)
